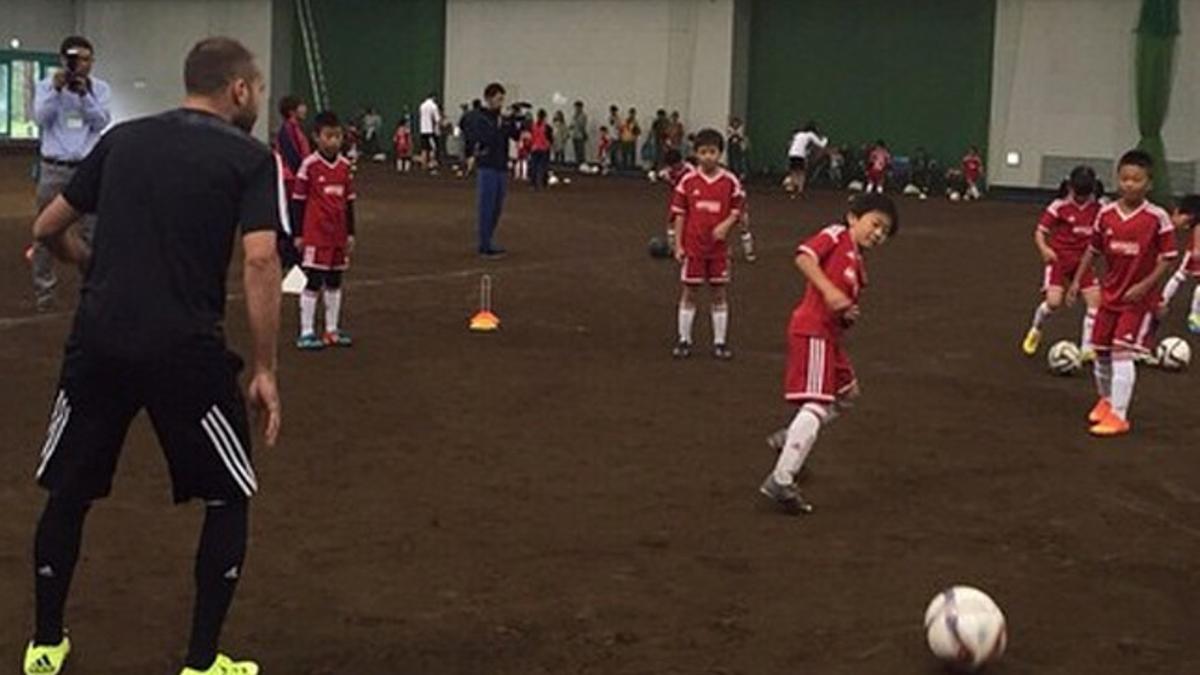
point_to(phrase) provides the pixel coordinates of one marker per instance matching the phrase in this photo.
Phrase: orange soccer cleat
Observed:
(1111, 425)
(1102, 410)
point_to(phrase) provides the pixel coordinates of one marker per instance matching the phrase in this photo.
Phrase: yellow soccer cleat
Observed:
(225, 666)
(1032, 339)
(46, 659)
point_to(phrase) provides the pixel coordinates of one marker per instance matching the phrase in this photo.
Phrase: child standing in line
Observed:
(604, 150)
(1137, 242)
(820, 378)
(879, 160)
(1063, 234)
(324, 204)
(402, 142)
(559, 127)
(707, 203)
(972, 168)
(524, 150)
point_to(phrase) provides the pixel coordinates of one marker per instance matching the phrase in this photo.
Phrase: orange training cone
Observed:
(485, 321)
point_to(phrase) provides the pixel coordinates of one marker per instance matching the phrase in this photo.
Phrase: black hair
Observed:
(541, 113)
(1137, 158)
(74, 42)
(871, 201)
(810, 126)
(1190, 206)
(880, 144)
(325, 119)
(709, 138)
(578, 104)
(494, 89)
(289, 104)
(1081, 180)
(673, 157)
(215, 62)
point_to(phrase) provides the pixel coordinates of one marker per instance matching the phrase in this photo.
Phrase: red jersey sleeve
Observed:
(679, 201)
(1049, 218)
(300, 185)
(820, 245)
(1167, 248)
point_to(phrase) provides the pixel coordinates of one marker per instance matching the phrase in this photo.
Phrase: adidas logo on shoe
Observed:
(43, 665)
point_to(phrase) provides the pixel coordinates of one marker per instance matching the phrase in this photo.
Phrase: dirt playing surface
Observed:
(562, 497)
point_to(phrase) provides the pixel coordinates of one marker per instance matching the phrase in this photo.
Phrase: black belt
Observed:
(60, 162)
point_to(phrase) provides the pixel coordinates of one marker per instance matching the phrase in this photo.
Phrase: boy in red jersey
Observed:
(1137, 242)
(706, 204)
(820, 379)
(402, 141)
(325, 206)
(673, 172)
(1185, 217)
(1063, 234)
(972, 168)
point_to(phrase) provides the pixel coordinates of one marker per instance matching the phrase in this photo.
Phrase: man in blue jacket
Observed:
(489, 134)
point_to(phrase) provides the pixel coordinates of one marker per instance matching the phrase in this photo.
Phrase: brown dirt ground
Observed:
(562, 497)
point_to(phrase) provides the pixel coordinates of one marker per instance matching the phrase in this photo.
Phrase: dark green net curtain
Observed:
(1156, 31)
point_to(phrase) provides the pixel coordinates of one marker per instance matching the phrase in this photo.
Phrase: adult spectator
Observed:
(171, 193)
(614, 127)
(658, 136)
(489, 135)
(579, 133)
(372, 122)
(466, 122)
(430, 128)
(675, 133)
(71, 110)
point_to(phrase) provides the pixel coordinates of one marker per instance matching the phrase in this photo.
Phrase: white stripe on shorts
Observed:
(210, 428)
(239, 456)
(816, 365)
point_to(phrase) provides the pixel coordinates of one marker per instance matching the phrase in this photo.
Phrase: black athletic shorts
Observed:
(797, 163)
(429, 142)
(195, 404)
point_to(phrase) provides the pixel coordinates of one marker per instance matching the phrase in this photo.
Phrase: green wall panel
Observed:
(385, 53)
(912, 72)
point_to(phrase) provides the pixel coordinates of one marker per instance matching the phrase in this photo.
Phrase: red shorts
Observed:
(1122, 329)
(1061, 272)
(697, 270)
(875, 175)
(818, 370)
(326, 258)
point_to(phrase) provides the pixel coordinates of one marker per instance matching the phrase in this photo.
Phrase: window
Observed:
(20, 72)
(3, 99)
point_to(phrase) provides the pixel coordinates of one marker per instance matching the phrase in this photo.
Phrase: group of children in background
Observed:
(1136, 240)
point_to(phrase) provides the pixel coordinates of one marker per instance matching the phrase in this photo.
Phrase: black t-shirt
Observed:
(169, 192)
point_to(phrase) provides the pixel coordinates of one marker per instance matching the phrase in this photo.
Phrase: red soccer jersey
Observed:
(1068, 224)
(603, 146)
(972, 168)
(1132, 244)
(705, 202)
(880, 159)
(675, 173)
(403, 142)
(327, 189)
(840, 259)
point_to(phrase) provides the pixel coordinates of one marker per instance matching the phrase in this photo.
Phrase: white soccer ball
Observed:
(911, 190)
(923, 196)
(855, 186)
(955, 196)
(552, 180)
(1173, 354)
(965, 628)
(566, 181)
(1064, 358)
(652, 176)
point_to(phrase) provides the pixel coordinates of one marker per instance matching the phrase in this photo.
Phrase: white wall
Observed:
(1063, 84)
(647, 54)
(40, 25)
(141, 45)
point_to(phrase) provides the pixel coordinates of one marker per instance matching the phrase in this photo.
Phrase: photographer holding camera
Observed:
(488, 134)
(71, 110)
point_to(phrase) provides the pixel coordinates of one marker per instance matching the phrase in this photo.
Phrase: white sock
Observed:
(333, 309)
(1089, 321)
(720, 319)
(1104, 375)
(748, 243)
(687, 316)
(308, 312)
(1196, 300)
(1124, 374)
(801, 435)
(1039, 315)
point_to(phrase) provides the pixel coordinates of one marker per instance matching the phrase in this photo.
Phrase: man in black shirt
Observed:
(170, 193)
(488, 135)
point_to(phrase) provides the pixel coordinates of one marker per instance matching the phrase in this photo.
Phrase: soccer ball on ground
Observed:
(965, 628)
(955, 196)
(652, 176)
(1173, 354)
(552, 180)
(1064, 358)
(659, 248)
